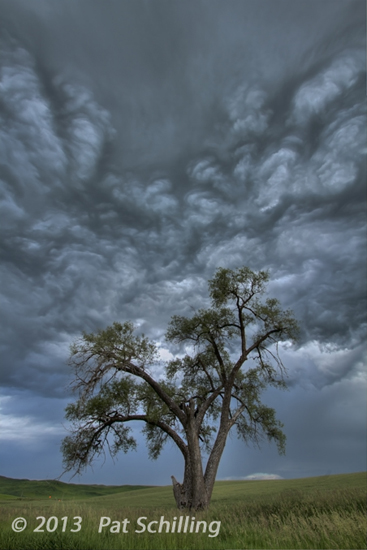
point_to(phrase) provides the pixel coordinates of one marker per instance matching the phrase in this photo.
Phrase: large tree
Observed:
(233, 356)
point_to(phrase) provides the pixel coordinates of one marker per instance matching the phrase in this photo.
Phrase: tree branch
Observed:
(140, 373)
(205, 406)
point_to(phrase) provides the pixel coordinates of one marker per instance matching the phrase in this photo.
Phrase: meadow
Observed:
(319, 512)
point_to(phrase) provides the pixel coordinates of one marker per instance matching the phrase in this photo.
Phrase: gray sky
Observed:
(143, 145)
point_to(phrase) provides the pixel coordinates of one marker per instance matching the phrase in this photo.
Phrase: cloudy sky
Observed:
(144, 144)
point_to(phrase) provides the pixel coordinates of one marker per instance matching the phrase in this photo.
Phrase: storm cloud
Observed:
(143, 145)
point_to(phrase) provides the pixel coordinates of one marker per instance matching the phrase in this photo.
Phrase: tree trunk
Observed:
(192, 493)
(180, 494)
(213, 462)
(196, 490)
(220, 442)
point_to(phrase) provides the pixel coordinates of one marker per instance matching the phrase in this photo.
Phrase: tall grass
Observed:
(286, 518)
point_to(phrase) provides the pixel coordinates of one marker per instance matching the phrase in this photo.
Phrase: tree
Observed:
(203, 394)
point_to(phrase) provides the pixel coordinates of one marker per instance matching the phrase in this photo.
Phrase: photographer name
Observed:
(181, 524)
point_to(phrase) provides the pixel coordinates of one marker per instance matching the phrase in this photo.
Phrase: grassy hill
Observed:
(318, 512)
(30, 489)
(153, 496)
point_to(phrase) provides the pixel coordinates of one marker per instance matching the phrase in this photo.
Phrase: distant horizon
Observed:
(169, 485)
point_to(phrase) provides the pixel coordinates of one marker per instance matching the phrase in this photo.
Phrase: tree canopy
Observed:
(231, 357)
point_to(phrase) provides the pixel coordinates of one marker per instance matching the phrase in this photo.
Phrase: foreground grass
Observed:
(326, 512)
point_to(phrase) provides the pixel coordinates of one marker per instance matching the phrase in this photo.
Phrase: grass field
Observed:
(321, 512)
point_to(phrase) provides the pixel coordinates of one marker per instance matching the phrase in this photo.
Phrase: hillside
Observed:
(320, 512)
(39, 489)
(137, 495)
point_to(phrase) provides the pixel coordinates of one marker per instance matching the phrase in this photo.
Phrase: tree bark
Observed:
(213, 462)
(179, 494)
(192, 493)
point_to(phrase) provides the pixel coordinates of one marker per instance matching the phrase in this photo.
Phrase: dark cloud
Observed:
(143, 146)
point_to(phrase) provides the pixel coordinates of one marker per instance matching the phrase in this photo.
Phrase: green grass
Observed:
(323, 512)
(24, 488)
